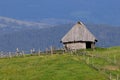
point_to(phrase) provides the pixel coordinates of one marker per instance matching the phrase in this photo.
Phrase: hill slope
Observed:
(95, 65)
(57, 67)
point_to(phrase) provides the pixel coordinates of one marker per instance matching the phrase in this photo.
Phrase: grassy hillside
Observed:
(98, 64)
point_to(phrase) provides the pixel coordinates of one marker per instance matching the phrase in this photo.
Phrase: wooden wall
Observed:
(76, 45)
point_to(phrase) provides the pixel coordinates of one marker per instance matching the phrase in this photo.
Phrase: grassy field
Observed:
(98, 64)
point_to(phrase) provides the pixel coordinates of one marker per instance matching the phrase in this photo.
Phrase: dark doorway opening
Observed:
(88, 44)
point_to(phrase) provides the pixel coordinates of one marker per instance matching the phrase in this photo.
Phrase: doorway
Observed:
(88, 44)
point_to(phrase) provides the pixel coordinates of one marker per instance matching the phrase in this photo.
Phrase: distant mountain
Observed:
(107, 35)
(27, 35)
(9, 24)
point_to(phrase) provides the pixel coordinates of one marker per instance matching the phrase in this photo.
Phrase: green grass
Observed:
(56, 67)
(62, 66)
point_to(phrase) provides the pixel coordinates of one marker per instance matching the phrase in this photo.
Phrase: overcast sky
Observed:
(91, 11)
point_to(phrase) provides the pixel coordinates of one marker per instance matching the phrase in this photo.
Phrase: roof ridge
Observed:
(79, 32)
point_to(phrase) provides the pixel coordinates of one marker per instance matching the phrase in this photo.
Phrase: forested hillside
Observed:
(26, 35)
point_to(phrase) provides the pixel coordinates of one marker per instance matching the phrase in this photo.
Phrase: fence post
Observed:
(39, 52)
(10, 56)
(51, 50)
(84, 57)
(117, 77)
(87, 60)
(71, 52)
(32, 51)
(23, 54)
(17, 52)
(63, 49)
(75, 51)
(114, 59)
(110, 77)
(46, 50)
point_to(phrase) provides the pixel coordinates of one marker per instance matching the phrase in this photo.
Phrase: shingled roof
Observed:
(79, 32)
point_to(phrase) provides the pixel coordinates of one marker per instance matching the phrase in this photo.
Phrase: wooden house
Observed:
(79, 37)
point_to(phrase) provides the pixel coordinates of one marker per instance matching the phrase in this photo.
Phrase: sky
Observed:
(88, 11)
